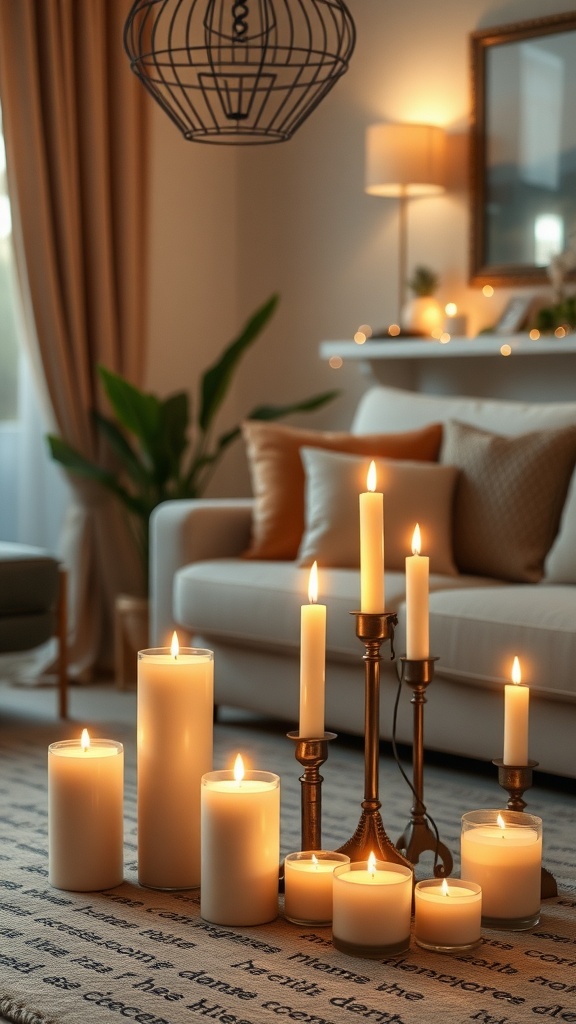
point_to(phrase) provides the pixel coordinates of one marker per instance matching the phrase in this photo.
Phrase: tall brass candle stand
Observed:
(311, 753)
(418, 836)
(516, 779)
(372, 629)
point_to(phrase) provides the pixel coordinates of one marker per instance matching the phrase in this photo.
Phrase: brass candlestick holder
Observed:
(516, 779)
(372, 628)
(311, 753)
(418, 835)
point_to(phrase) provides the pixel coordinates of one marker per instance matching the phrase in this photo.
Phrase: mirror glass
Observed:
(523, 147)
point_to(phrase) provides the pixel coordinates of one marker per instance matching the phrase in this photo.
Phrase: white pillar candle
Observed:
(85, 814)
(175, 735)
(372, 905)
(372, 546)
(447, 914)
(502, 852)
(417, 618)
(240, 846)
(312, 662)
(308, 885)
(516, 709)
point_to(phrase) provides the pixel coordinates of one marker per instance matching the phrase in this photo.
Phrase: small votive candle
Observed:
(308, 885)
(372, 905)
(502, 852)
(447, 914)
(85, 814)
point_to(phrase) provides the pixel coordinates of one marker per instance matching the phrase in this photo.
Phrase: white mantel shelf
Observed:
(540, 370)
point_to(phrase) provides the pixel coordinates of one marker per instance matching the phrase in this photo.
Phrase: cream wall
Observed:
(231, 225)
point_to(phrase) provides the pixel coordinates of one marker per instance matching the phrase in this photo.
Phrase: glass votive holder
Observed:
(308, 885)
(502, 852)
(447, 914)
(372, 907)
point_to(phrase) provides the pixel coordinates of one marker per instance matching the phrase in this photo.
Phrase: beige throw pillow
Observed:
(277, 474)
(414, 492)
(509, 497)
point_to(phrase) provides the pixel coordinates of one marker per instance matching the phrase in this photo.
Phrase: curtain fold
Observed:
(75, 128)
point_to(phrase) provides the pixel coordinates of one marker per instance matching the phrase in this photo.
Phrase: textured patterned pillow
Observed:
(414, 492)
(509, 497)
(277, 474)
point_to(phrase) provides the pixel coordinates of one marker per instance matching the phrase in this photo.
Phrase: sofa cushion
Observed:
(509, 497)
(28, 580)
(277, 474)
(560, 565)
(414, 492)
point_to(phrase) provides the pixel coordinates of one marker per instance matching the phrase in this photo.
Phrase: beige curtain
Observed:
(75, 131)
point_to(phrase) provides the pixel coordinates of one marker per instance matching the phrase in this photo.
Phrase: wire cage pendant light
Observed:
(239, 71)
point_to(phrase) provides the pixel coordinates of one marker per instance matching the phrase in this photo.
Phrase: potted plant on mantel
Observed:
(159, 449)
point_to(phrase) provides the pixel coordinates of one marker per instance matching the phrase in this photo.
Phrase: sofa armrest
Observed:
(191, 530)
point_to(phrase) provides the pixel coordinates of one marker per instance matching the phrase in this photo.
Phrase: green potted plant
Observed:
(160, 450)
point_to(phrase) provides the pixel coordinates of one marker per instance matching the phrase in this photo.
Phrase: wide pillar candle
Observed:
(85, 814)
(372, 598)
(240, 847)
(417, 600)
(175, 738)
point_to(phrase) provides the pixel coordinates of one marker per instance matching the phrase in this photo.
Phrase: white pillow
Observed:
(414, 492)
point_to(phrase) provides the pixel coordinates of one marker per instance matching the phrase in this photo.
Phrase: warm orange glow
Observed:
(85, 739)
(560, 332)
(534, 334)
(488, 291)
(516, 672)
(505, 350)
(394, 330)
(372, 863)
(359, 337)
(371, 477)
(174, 646)
(313, 583)
(444, 337)
(450, 309)
(366, 330)
(335, 362)
(500, 821)
(416, 540)
(444, 887)
(238, 768)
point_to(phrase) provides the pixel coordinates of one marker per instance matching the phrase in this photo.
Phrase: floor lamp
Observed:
(403, 161)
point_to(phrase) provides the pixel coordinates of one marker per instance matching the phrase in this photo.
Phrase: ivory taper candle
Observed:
(312, 661)
(372, 546)
(417, 619)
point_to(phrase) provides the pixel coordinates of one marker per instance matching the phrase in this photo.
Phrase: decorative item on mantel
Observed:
(239, 71)
(422, 314)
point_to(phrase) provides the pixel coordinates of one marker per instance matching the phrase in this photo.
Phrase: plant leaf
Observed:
(276, 412)
(136, 411)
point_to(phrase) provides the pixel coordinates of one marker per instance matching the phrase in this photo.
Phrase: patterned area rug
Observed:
(135, 954)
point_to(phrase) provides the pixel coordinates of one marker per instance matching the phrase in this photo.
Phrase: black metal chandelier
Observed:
(239, 71)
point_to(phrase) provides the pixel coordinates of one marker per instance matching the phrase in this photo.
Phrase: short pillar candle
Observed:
(372, 906)
(447, 914)
(85, 814)
(308, 885)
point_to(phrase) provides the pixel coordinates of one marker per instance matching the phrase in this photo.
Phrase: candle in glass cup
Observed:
(372, 906)
(308, 885)
(502, 852)
(447, 914)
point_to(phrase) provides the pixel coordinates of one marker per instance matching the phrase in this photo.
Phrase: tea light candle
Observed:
(447, 914)
(372, 546)
(308, 885)
(516, 707)
(240, 827)
(502, 852)
(372, 905)
(312, 662)
(85, 814)
(417, 621)
(175, 734)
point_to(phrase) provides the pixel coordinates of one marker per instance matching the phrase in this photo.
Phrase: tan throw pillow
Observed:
(277, 474)
(509, 497)
(414, 492)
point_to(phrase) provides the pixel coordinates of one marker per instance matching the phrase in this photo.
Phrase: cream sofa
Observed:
(248, 610)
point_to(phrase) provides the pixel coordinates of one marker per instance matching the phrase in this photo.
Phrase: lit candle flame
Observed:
(501, 822)
(444, 887)
(313, 584)
(85, 739)
(371, 477)
(416, 541)
(238, 768)
(372, 864)
(450, 309)
(516, 672)
(174, 646)
(315, 860)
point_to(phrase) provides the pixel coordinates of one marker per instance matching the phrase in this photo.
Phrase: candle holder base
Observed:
(516, 779)
(311, 753)
(370, 837)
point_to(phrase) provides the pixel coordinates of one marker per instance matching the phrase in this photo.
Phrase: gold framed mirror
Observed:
(523, 149)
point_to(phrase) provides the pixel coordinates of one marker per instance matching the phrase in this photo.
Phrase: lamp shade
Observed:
(405, 159)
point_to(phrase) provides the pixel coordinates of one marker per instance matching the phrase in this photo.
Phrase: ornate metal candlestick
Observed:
(418, 836)
(516, 779)
(311, 753)
(372, 629)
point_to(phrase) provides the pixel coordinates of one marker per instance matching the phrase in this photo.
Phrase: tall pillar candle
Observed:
(240, 846)
(417, 600)
(372, 598)
(175, 737)
(85, 814)
(516, 709)
(312, 662)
